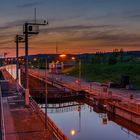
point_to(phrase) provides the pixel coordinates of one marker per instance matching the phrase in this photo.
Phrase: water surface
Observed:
(81, 122)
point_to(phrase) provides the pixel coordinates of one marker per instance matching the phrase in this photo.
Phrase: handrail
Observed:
(59, 135)
(2, 118)
(126, 107)
(130, 133)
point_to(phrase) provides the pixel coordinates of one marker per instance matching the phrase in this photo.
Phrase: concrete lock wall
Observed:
(128, 115)
(124, 114)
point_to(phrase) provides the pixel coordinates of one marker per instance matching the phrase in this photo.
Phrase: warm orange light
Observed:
(72, 132)
(73, 58)
(62, 55)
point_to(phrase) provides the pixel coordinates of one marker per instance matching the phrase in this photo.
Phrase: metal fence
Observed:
(3, 132)
(57, 134)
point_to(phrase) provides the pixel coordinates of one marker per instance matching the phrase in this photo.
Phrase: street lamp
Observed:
(46, 93)
(29, 29)
(78, 81)
(79, 74)
(18, 39)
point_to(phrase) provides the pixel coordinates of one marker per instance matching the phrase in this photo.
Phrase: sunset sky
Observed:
(78, 26)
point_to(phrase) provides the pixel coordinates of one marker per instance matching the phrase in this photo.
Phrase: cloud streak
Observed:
(136, 16)
(76, 27)
(31, 4)
(105, 34)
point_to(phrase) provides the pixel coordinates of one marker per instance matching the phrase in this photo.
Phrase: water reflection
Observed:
(80, 121)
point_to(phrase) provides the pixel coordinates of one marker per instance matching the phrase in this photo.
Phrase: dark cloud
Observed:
(10, 29)
(137, 16)
(104, 33)
(7, 47)
(76, 27)
(6, 42)
(107, 34)
(31, 4)
(18, 23)
(132, 14)
(109, 37)
(13, 24)
(5, 35)
(118, 37)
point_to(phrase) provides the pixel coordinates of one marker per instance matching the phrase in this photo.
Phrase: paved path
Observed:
(90, 87)
(22, 123)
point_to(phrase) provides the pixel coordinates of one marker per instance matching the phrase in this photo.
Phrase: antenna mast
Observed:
(56, 48)
(35, 15)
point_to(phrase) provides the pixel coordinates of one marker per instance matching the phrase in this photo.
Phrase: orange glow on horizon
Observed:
(67, 48)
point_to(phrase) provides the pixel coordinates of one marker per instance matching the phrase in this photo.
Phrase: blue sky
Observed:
(76, 25)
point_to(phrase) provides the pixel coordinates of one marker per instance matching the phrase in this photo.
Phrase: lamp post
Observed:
(18, 39)
(79, 64)
(17, 65)
(26, 66)
(29, 29)
(38, 66)
(46, 93)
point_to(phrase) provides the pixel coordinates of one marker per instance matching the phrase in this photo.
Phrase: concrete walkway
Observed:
(90, 87)
(22, 123)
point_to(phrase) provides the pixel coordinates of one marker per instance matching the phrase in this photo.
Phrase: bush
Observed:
(112, 60)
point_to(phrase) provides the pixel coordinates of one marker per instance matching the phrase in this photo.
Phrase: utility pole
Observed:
(29, 29)
(46, 93)
(18, 39)
(35, 14)
(79, 117)
(79, 74)
(56, 48)
(26, 67)
(17, 65)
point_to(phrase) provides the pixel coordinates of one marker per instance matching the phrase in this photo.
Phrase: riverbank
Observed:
(107, 73)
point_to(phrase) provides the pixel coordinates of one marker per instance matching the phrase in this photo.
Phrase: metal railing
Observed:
(57, 134)
(3, 131)
(130, 133)
(129, 106)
